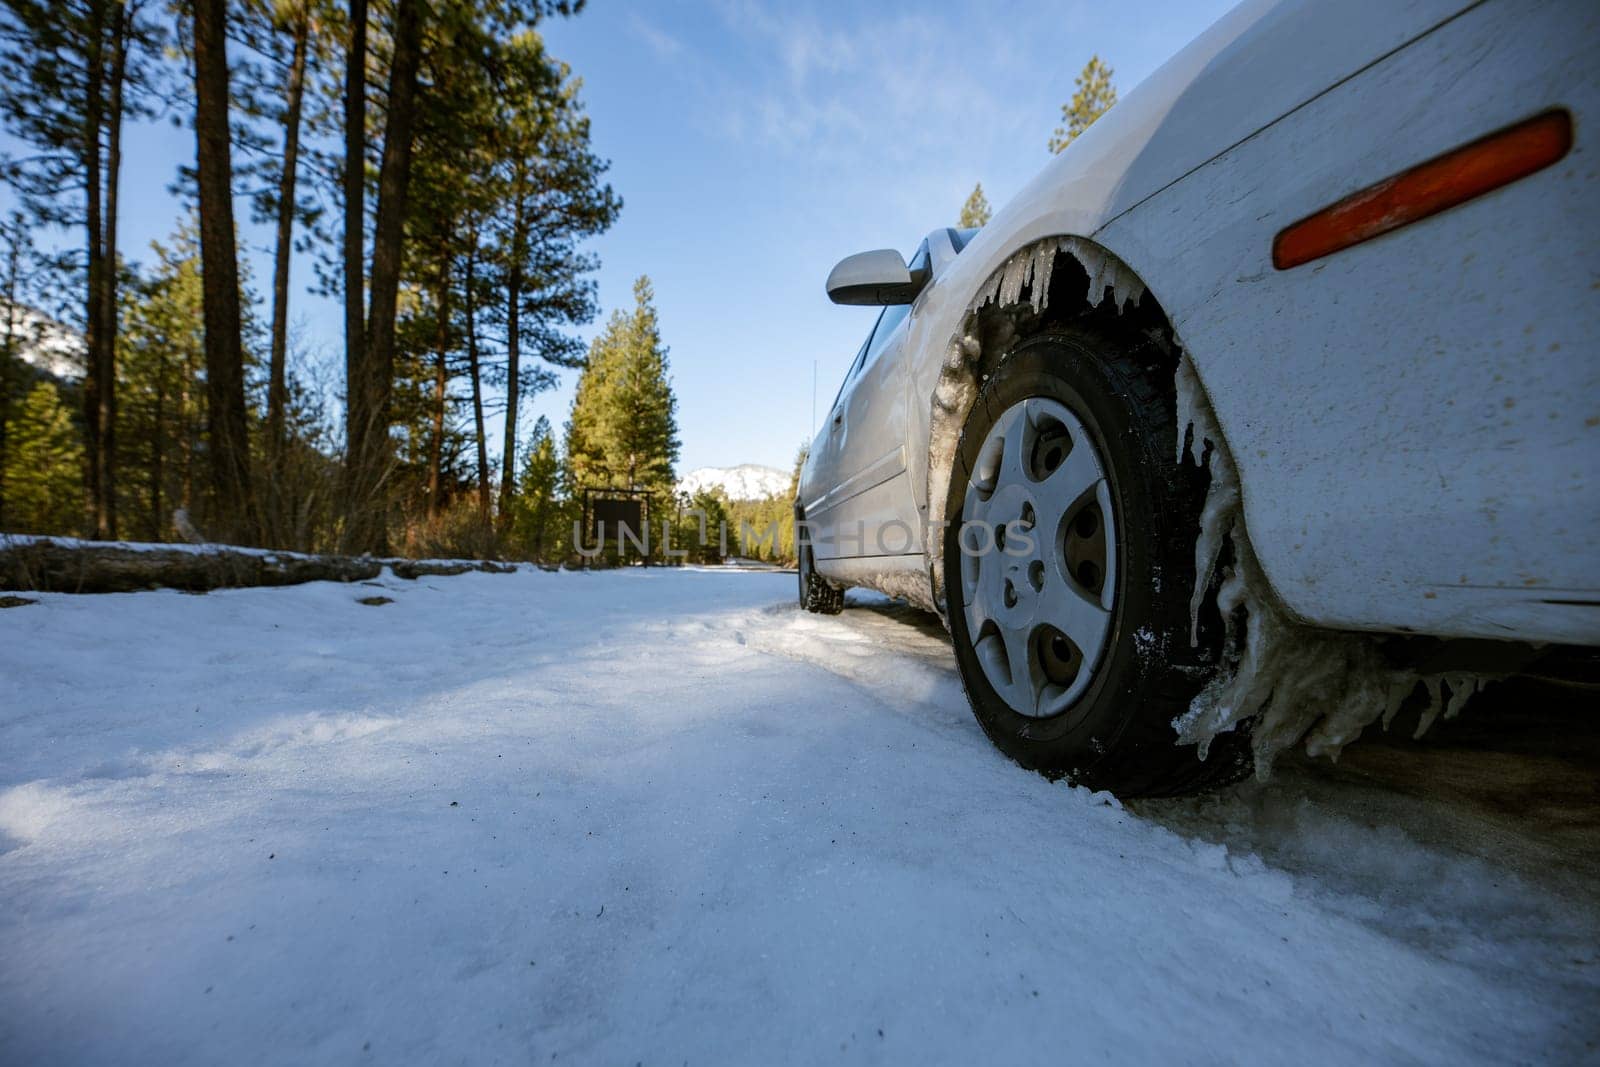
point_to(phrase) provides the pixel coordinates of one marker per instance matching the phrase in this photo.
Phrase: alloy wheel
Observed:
(1038, 557)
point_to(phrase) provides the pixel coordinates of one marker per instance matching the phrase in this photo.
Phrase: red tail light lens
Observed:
(1427, 189)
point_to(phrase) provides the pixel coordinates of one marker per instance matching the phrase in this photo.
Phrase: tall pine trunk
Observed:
(190, 436)
(231, 516)
(508, 461)
(394, 180)
(95, 385)
(358, 418)
(158, 441)
(277, 391)
(108, 293)
(477, 379)
(8, 345)
(441, 386)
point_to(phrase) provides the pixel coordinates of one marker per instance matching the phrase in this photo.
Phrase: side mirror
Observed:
(875, 278)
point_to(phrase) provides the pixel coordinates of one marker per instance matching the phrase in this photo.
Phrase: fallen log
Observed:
(70, 566)
(67, 565)
(422, 568)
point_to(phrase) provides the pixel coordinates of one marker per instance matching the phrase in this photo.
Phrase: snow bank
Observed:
(1288, 680)
(66, 564)
(660, 815)
(8, 541)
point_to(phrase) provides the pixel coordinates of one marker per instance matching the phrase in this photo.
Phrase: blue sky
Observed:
(754, 143)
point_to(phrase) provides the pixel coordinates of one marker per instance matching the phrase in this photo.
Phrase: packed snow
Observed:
(661, 816)
(747, 481)
(9, 541)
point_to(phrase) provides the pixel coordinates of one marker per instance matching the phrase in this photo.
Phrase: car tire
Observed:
(1104, 654)
(816, 594)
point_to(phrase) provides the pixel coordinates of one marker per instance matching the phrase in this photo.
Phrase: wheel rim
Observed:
(1038, 604)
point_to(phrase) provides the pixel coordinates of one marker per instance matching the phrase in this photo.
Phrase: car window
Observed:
(920, 259)
(865, 351)
(892, 316)
(855, 365)
(866, 346)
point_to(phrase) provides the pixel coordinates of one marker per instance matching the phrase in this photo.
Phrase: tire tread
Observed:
(1143, 757)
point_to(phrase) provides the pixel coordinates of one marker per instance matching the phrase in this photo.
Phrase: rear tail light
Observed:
(1427, 189)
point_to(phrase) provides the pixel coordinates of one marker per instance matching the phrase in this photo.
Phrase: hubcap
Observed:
(1038, 557)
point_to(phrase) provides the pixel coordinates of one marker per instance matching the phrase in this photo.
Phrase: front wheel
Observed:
(816, 595)
(1069, 564)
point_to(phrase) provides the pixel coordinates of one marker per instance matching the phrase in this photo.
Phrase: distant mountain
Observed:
(747, 481)
(43, 343)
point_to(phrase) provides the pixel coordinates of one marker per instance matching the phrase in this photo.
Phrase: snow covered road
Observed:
(663, 817)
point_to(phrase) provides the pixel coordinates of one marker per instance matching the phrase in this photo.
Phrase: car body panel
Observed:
(1244, 72)
(1412, 418)
(1279, 110)
(864, 503)
(865, 434)
(820, 476)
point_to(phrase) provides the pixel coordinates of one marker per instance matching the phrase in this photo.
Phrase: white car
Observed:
(1270, 405)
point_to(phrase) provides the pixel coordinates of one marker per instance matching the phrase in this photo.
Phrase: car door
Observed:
(878, 512)
(821, 476)
(873, 509)
(864, 506)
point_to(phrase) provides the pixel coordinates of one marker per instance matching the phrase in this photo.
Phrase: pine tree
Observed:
(975, 212)
(584, 453)
(162, 382)
(624, 428)
(765, 528)
(361, 484)
(1094, 96)
(550, 195)
(801, 454)
(714, 511)
(280, 83)
(295, 20)
(74, 71)
(502, 184)
(474, 292)
(449, 198)
(536, 528)
(44, 467)
(424, 38)
(19, 282)
(231, 514)
(643, 412)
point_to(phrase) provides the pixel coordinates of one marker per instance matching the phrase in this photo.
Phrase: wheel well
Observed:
(1045, 285)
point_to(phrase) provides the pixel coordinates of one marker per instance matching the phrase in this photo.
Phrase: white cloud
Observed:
(663, 44)
(869, 87)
